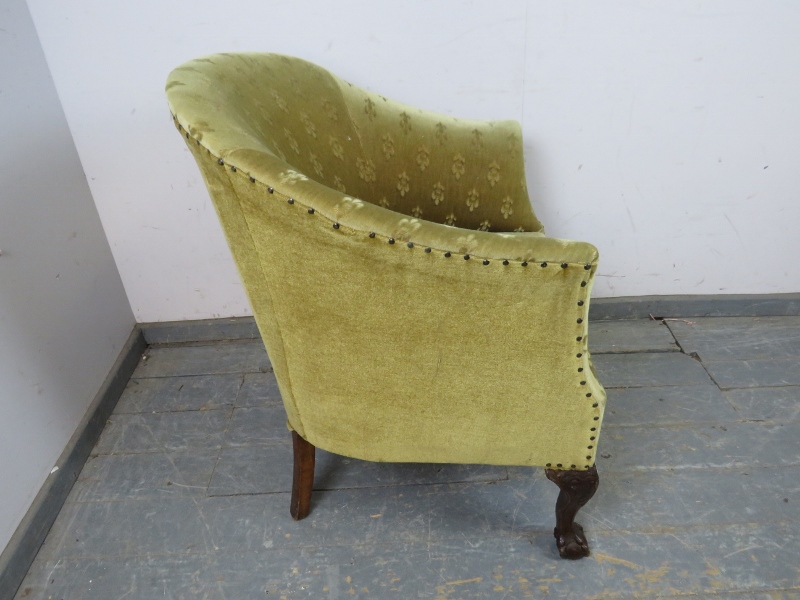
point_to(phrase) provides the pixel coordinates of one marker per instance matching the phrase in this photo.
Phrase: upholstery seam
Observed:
(272, 300)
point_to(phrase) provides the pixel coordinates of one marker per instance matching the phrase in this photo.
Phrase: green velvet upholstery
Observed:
(411, 306)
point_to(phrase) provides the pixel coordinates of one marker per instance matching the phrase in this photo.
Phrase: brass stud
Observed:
(583, 284)
(544, 264)
(447, 255)
(271, 190)
(587, 267)
(589, 447)
(593, 429)
(549, 465)
(233, 168)
(466, 257)
(252, 179)
(505, 263)
(583, 383)
(572, 466)
(593, 438)
(564, 265)
(595, 405)
(559, 465)
(580, 369)
(311, 211)
(596, 419)
(336, 226)
(220, 161)
(589, 395)
(372, 234)
(524, 263)
(391, 240)
(580, 321)
(410, 244)
(290, 201)
(580, 302)
(579, 354)
(428, 250)
(579, 338)
(588, 458)
(485, 261)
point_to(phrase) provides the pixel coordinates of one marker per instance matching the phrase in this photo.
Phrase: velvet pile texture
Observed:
(411, 305)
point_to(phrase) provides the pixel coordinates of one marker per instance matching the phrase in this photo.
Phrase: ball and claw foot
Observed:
(572, 544)
(577, 488)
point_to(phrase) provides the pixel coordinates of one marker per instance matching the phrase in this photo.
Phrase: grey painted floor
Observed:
(186, 494)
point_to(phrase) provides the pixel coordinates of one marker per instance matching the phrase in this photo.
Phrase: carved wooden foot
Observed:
(577, 488)
(303, 481)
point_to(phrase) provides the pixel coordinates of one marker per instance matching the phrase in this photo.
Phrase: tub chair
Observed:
(411, 306)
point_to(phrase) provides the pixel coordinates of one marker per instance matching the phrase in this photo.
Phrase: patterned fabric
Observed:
(468, 174)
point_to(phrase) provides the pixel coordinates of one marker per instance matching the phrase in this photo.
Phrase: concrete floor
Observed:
(186, 494)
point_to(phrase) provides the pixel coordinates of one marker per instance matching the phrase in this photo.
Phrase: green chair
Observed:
(411, 306)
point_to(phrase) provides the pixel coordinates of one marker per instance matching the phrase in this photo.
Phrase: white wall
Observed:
(665, 132)
(63, 312)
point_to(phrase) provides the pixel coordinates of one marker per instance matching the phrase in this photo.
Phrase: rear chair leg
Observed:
(303, 481)
(577, 488)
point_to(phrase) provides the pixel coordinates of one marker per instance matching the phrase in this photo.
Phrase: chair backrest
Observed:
(446, 170)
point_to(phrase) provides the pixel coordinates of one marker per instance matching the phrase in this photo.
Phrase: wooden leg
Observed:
(303, 481)
(577, 488)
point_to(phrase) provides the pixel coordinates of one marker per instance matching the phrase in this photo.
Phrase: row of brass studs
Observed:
(391, 240)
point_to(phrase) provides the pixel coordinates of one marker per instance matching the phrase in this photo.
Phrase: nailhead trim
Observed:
(466, 257)
(580, 302)
(428, 250)
(391, 240)
(447, 255)
(220, 161)
(290, 201)
(564, 265)
(544, 264)
(252, 179)
(372, 234)
(271, 190)
(485, 261)
(311, 211)
(505, 263)
(410, 244)
(336, 226)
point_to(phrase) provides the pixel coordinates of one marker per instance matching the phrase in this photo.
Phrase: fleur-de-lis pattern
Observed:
(405, 122)
(311, 129)
(336, 148)
(403, 183)
(459, 166)
(459, 172)
(317, 165)
(366, 169)
(507, 208)
(388, 146)
(484, 226)
(292, 142)
(369, 108)
(423, 158)
(280, 102)
(493, 176)
(441, 133)
(437, 195)
(473, 199)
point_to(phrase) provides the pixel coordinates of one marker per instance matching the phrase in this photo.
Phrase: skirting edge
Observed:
(21, 550)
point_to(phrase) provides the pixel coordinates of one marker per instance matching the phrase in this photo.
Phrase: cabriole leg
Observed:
(303, 481)
(577, 488)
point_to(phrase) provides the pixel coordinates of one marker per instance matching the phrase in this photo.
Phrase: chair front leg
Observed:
(303, 481)
(577, 488)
